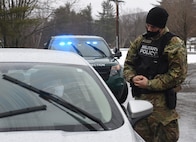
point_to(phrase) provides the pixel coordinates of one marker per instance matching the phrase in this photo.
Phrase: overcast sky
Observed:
(124, 7)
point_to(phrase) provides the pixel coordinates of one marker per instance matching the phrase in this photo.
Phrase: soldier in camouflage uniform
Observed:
(155, 66)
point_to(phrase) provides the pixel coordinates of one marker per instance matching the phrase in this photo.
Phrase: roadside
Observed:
(186, 108)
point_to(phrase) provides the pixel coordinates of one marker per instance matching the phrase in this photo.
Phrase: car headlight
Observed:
(115, 70)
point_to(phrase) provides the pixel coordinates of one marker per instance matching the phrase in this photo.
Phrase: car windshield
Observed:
(23, 109)
(86, 47)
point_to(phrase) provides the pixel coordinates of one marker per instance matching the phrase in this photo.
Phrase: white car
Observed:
(54, 96)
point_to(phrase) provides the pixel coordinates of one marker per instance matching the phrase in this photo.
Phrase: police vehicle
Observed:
(98, 53)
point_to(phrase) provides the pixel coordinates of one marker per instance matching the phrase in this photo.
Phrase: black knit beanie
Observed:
(157, 16)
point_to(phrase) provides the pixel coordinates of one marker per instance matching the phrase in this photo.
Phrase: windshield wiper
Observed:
(76, 49)
(53, 98)
(22, 111)
(97, 49)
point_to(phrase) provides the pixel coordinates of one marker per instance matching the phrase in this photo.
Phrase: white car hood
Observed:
(123, 134)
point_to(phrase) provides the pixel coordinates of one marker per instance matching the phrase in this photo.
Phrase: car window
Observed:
(88, 47)
(78, 85)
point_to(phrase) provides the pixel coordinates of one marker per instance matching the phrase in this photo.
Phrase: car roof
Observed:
(40, 55)
(78, 36)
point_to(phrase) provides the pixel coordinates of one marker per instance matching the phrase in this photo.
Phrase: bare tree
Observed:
(66, 20)
(14, 18)
(182, 19)
(131, 25)
(22, 21)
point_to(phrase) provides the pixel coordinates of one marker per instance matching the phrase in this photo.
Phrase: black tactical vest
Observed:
(150, 59)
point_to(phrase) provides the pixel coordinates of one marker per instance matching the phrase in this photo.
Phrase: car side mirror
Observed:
(138, 109)
(117, 53)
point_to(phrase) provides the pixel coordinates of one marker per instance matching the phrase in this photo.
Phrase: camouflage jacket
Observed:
(177, 59)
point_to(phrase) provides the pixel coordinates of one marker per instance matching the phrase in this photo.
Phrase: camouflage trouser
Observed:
(157, 132)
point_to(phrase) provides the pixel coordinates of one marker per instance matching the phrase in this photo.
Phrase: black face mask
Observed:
(152, 34)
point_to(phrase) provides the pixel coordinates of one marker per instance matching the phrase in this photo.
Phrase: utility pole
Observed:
(117, 25)
(117, 22)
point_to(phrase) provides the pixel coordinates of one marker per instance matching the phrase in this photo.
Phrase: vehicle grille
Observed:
(103, 71)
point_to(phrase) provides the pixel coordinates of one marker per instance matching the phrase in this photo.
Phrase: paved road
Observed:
(186, 107)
